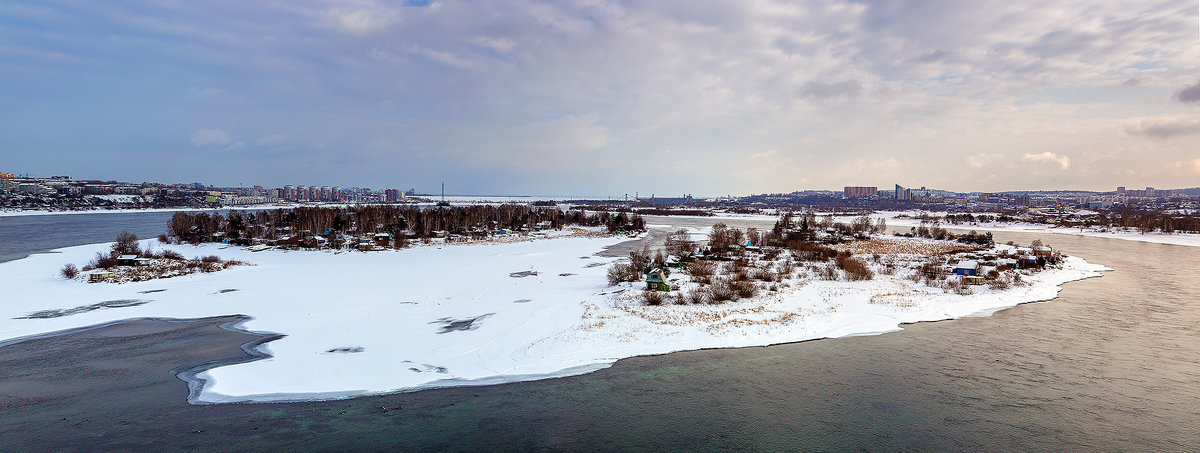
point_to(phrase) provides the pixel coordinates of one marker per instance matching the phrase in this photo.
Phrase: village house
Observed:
(967, 268)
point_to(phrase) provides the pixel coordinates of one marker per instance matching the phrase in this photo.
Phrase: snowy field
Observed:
(1187, 239)
(362, 323)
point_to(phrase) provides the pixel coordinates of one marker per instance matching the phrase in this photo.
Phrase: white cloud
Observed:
(207, 137)
(362, 20)
(1062, 161)
(765, 154)
(271, 140)
(982, 160)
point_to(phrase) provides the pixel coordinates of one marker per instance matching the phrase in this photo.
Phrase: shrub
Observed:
(163, 238)
(622, 272)
(808, 251)
(102, 261)
(999, 283)
(958, 287)
(640, 259)
(720, 291)
(744, 289)
(855, 269)
(210, 259)
(826, 272)
(786, 269)
(69, 271)
(699, 296)
(172, 255)
(652, 297)
(701, 271)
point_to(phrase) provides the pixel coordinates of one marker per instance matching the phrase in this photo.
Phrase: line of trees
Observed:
(397, 220)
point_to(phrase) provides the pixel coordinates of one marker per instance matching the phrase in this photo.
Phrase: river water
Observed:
(1112, 364)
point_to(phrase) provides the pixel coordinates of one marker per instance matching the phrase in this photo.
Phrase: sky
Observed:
(589, 97)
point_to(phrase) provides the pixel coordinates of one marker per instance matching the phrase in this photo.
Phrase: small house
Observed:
(141, 261)
(1043, 251)
(383, 239)
(968, 268)
(973, 279)
(656, 280)
(127, 260)
(100, 276)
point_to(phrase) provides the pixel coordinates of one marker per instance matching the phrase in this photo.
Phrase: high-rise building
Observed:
(853, 192)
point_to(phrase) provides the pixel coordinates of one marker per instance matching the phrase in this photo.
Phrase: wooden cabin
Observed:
(383, 239)
(967, 268)
(656, 280)
(100, 276)
(1043, 251)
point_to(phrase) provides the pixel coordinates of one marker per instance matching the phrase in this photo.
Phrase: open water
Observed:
(1112, 364)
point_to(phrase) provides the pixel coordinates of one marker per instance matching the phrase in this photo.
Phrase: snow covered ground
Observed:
(1187, 239)
(361, 323)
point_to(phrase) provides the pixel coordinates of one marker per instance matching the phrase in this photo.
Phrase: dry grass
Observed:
(905, 246)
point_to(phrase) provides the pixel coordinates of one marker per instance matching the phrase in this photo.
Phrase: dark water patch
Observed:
(593, 265)
(226, 291)
(456, 325)
(523, 274)
(408, 302)
(565, 274)
(427, 368)
(58, 313)
(150, 291)
(345, 350)
(522, 301)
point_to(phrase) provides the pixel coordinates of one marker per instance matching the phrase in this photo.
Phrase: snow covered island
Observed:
(439, 314)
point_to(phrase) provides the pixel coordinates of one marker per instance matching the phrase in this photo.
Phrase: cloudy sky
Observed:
(605, 97)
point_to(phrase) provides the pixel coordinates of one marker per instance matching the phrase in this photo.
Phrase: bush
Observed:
(999, 283)
(652, 297)
(171, 255)
(826, 272)
(69, 271)
(622, 272)
(210, 259)
(720, 291)
(855, 269)
(744, 289)
(808, 251)
(701, 271)
(163, 238)
(127, 244)
(102, 261)
(640, 259)
(699, 296)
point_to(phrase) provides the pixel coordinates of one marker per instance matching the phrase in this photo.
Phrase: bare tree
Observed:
(127, 244)
(680, 244)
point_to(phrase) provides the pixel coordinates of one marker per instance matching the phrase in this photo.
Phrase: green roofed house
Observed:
(656, 280)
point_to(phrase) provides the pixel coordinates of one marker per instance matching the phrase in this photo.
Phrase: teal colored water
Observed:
(1112, 364)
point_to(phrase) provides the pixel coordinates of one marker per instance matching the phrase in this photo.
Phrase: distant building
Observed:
(855, 192)
(393, 195)
(902, 193)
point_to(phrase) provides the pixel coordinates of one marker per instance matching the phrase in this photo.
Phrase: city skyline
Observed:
(604, 98)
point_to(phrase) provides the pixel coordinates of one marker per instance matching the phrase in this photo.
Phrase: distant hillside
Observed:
(1189, 191)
